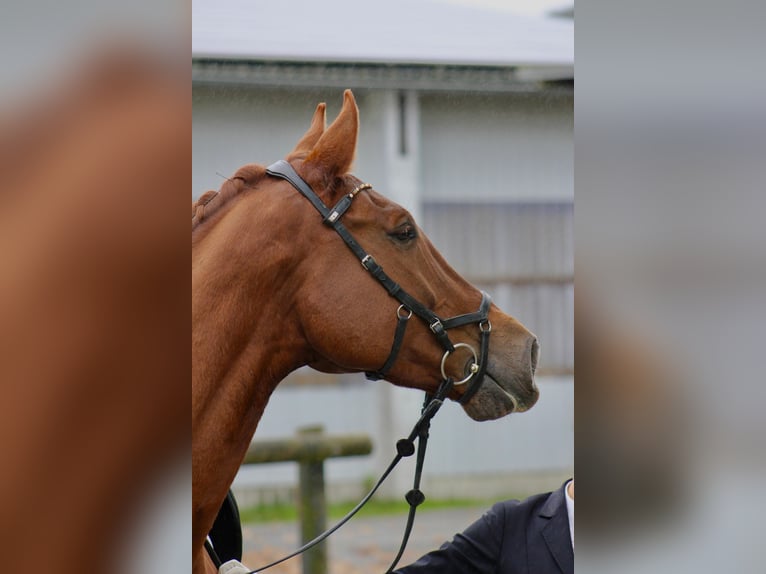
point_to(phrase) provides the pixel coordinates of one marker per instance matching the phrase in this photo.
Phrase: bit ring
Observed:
(474, 368)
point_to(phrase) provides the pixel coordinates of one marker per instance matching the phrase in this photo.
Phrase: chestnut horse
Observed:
(274, 289)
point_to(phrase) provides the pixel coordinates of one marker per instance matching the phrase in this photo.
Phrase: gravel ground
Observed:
(365, 545)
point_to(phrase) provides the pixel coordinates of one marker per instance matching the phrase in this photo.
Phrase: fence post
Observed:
(313, 508)
(309, 447)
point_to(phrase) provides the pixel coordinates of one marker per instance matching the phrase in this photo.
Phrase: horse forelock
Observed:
(211, 201)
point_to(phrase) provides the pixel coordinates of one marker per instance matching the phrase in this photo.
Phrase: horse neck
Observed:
(244, 342)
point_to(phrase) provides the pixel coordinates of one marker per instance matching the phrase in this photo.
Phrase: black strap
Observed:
(401, 326)
(478, 377)
(404, 447)
(480, 317)
(343, 520)
(213, 554)
(468, 318)
(284, 170)
(415, 496)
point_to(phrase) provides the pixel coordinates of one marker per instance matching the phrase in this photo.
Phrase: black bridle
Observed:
(408, 306)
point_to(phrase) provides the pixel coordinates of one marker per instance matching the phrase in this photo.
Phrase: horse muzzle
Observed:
(509, 383)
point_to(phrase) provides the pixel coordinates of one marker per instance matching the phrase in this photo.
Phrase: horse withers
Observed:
(277, 284)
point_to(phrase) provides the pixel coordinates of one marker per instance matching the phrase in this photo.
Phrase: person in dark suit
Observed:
(534, 536)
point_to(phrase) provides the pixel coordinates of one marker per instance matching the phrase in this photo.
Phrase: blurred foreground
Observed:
(94, 178)
(671, 277)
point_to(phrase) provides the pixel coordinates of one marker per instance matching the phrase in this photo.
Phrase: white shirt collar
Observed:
(570, 511)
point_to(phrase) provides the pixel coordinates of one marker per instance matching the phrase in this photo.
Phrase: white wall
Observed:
(472, 147)
(498, 146)
(538, 442)
(234, 127)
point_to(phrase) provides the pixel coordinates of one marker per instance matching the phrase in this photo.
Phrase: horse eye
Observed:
(405, 233)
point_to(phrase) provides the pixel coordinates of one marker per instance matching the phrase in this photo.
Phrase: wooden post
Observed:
(309, 448)
(313, 508)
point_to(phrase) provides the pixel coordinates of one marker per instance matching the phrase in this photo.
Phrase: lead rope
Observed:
(415, 497)
(404, 448)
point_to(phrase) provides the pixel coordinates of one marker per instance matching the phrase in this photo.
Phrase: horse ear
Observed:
(334, 153)
(312, 135)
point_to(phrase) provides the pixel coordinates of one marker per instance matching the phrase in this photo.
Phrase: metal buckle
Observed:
(436, 327)
(365, 261)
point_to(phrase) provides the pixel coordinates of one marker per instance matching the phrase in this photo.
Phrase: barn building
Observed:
(467, 120)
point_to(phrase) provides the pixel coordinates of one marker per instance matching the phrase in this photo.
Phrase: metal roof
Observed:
(424, 32)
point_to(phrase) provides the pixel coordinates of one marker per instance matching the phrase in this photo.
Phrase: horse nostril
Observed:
(534, 354)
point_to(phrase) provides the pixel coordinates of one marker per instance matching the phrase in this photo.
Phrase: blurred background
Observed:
(669, 122)
(95, 153)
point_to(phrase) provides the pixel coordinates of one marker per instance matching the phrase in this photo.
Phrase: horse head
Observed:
(349, 317)
(277, 284)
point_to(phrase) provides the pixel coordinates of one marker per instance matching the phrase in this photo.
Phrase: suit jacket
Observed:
(528, 537)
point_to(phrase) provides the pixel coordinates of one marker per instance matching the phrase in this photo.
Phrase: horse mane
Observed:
(212, 201)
